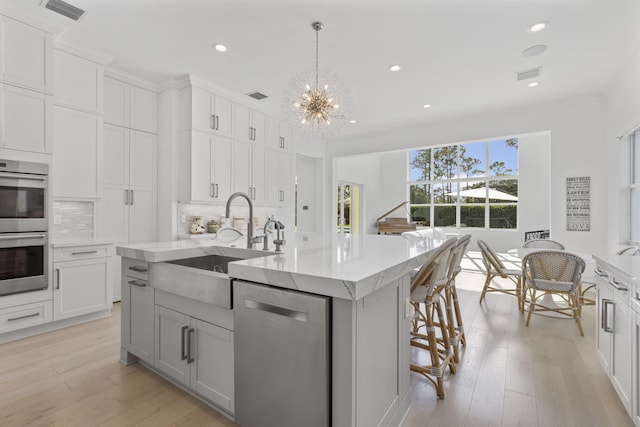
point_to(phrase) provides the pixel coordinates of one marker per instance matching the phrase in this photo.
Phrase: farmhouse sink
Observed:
(217, 263)
(202, 278)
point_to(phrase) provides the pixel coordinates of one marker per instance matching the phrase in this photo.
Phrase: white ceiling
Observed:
(461, 56)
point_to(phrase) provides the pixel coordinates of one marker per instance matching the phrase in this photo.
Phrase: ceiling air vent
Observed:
(257, 95)
(64, 9)
(528, 74)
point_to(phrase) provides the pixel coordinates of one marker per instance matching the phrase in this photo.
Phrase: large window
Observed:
(471, 185)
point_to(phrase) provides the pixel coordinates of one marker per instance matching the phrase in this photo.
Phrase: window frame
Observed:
(458, 181)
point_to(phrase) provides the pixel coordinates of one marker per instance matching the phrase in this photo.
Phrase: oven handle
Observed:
(22, 236)
(22, 176)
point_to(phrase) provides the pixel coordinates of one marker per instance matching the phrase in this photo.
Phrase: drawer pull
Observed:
(138, 269)
(619, 286)
(12, 319)
(84, 252)
(138, 284)
(600, 273)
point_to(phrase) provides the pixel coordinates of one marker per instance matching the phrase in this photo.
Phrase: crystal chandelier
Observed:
(314, 101)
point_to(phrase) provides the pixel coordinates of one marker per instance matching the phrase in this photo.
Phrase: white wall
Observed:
(576, 128)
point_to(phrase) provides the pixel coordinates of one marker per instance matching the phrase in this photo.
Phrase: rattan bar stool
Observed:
(427, 289)
(543, 244)
(452, 307)
(553, 273)
(495, 268)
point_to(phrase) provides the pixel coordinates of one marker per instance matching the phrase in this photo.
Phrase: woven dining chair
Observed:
(495, 268)
(427, 289)
(631, 250)
(452, 307)
(557, 273)
(543, 244)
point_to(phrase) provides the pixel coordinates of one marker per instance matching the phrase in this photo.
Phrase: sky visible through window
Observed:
(499, 151)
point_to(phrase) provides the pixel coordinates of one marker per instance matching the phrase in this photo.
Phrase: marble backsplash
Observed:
(76, 220)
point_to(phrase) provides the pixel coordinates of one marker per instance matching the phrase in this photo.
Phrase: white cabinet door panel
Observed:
(201, 109)
(27, 54)
(223, 109)
(258, 178)
(116, 155)
(222, 168)
(622, 351)
(78, 82)
(116, 102)
(201, 179)
(77, 158)
(81, 287)
(140, 336)
(113, 215)
(143, 110)
(143, 160)
(27, 119)
(241, 167)
(142, 215)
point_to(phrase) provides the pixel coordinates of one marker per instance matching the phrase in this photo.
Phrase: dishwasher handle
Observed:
(300, 316)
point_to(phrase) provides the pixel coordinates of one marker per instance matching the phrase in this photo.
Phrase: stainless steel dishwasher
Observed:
(282, 352)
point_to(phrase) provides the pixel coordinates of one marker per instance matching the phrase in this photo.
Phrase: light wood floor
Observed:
(509, 375)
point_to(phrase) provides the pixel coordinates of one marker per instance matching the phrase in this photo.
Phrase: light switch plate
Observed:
(57, 219)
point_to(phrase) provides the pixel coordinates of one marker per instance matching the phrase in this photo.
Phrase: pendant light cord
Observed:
(317, 31)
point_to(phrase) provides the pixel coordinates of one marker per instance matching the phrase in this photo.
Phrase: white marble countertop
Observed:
(625, 265)
(343, 266)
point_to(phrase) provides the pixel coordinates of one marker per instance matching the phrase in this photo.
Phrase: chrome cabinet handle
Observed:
(619, 286)
(22, 236)
(13, 319)
(600, 273)
(57, 278)
(212, 123)
(131, 191)
(189, 334)
(211, 191)
(138, 269)
(183, 356)
(84, 252)
(22, 176)
(138, 284)
(217, 122)
(605, 322)
(216, 190)
(126, 197)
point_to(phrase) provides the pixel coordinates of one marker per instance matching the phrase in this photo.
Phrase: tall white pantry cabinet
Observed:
(127, 209)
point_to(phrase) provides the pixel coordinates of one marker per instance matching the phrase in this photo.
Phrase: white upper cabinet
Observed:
(78, 82)
(209, 112)
(278, 136)
(26, 119)
(77, 156)
(130, 106)
(250, 125)
(27, 55)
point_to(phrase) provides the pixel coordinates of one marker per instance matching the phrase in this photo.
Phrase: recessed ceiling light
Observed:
(220, 47)
(352, 121)
(538, 26)
(533, 84)
(426, 106)
(395, 67)
(534, 50)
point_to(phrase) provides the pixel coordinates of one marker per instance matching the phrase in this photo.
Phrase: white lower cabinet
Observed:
(636, 363)
(615, 331)
(82, 282)
(197, 354)
(24, 316)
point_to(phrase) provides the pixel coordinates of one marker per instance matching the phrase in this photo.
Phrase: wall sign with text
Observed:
(579, 203)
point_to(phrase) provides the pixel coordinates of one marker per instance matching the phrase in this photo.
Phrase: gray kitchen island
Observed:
(191, 324)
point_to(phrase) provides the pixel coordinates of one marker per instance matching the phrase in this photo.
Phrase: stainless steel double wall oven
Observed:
(23, 226)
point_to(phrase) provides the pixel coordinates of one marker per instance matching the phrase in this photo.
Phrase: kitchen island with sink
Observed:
(324, 325)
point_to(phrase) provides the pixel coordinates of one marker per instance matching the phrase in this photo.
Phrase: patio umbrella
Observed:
(481, 193)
